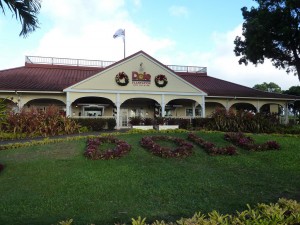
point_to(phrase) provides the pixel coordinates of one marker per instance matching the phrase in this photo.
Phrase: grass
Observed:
(47, 184)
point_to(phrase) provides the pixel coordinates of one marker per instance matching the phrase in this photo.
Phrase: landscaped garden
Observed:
(44, 184)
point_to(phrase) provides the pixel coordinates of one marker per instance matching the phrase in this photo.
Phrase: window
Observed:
(189, 111)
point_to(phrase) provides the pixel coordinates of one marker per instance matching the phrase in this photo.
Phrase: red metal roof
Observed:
(37, 77)
(221, 88)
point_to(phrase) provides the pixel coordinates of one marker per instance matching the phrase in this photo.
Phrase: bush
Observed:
(39, 123)
(111, 123)
(97, 124)
(243, 121)
(135, 121)
(148, 121)
(201, 122)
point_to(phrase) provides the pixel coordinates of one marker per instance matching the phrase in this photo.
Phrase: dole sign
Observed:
(141, 79)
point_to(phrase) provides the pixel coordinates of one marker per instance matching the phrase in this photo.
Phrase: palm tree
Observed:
(25, 11)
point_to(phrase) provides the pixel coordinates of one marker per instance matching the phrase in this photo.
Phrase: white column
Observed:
(118, 110)
(203, 107)
(162, 105)
(193, 109)
(258, 106)
(68, 106)
(286, 111)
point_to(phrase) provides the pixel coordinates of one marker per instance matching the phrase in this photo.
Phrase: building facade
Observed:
(138, 85)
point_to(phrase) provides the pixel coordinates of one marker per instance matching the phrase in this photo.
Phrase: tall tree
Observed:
(294, 106)
(269, 87)
(272, 31)
(24, 10)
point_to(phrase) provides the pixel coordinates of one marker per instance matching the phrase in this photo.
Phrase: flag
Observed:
(119, 33)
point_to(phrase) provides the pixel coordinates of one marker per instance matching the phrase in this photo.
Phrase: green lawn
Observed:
(47, 184)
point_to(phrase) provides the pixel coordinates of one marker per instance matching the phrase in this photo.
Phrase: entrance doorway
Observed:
(124, 118)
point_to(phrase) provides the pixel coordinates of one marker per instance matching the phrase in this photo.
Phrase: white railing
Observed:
(188, 69)
(93, 117)
(67, 61)
(101, 63)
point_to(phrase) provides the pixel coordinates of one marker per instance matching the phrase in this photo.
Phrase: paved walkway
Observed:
(6, 142)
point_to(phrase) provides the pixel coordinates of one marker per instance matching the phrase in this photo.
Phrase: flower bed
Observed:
(210, 147)
(93, 152)
(239, 139)
(184, 148)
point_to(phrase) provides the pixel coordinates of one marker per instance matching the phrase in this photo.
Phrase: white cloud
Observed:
(89, 35)
(223, 64)
(178, 11)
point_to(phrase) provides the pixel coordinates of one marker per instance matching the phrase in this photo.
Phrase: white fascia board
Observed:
(134, 92)
(257, 98)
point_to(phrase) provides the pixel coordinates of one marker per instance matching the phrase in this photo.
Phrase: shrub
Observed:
(111, 123)
(94, 124)
(159, 121)
(239, 139)
(135, 121)
(201, 122)
(184, 148)
(40, 123)
(210, 148)
(93, 144)
(148, 121)
(242, 121)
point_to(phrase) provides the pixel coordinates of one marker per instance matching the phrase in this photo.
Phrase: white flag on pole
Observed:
(119, 33)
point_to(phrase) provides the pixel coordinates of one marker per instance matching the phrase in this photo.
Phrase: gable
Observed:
(141, 71)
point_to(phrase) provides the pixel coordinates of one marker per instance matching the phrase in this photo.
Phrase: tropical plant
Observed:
(184, 148)
(210, 147)
(24, 10)
(93, 144)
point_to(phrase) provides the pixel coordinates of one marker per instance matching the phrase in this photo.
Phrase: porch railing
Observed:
(101, 63)
(67, 61)
(93, 117)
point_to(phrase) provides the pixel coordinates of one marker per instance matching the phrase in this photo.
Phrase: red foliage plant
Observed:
(93, 144)
(184, 148)
(239, 139)
(210, 147)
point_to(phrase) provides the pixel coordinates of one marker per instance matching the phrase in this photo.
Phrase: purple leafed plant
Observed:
(184, 148)
(239, 139)
(93, 144)
(210, 147)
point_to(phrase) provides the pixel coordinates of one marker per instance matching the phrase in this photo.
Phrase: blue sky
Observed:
(177, 32)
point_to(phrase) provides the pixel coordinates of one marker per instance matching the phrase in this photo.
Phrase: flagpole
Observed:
(124, 43)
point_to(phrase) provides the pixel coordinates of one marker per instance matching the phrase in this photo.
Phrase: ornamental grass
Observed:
(184, 148)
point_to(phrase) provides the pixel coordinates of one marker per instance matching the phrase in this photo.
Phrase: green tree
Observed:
(269, 87)
(272, 31)
(25, 11)
(294, 106)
